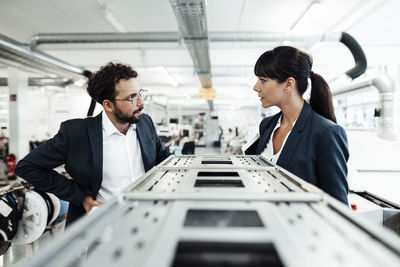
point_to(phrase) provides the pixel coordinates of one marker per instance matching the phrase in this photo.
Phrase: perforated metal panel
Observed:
(275, 219)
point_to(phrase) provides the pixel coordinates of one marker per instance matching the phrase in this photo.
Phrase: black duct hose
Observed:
(358, 54)
(92, 102)
(91, 108)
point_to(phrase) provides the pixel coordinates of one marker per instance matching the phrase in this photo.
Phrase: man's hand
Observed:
(89, 203)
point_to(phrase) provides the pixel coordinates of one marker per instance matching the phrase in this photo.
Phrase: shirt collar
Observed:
(108, 126)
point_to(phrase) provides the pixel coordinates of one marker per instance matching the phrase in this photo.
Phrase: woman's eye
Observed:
(262, 80)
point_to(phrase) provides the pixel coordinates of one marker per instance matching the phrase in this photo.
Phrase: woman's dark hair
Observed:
(283, 62)
(101, 84)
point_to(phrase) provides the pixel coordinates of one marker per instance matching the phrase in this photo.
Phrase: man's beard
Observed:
(122, 118)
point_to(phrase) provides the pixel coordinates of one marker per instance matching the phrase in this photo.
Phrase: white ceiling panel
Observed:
(381, 27)
(23, 18)
(143, 15)
(271, 15)
(223, 16)
(374, 23)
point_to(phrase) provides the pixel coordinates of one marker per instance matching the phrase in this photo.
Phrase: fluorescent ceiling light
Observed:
(362, 11)
(110, 17)
(163, 71)
(311, 16)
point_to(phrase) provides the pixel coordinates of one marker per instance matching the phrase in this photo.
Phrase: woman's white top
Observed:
(268, 152)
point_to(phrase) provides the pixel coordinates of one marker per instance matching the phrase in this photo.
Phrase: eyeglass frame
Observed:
(134, 99)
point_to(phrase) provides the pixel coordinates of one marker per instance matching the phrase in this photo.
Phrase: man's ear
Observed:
(290, 83)
(108, 105)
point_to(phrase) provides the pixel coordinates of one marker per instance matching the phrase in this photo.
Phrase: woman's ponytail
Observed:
(321, 97)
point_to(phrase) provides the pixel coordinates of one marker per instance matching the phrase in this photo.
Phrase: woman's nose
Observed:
(255, 87)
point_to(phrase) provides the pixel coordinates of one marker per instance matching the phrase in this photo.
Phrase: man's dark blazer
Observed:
(315, 150)
(79, 145)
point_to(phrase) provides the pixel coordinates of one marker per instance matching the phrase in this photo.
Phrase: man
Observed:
(102, 154)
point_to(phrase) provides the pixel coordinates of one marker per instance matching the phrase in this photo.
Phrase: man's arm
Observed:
(37, 168)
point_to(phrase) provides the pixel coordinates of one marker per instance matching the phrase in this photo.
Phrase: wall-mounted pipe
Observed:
(389, 102)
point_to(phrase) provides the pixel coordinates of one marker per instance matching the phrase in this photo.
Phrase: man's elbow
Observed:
(19, 169)
(22, 169)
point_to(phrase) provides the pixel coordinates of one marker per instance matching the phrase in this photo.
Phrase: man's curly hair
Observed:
(101, 85)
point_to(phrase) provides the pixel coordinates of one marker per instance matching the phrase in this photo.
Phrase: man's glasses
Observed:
(132, 99)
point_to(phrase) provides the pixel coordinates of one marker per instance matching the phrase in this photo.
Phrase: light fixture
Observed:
(360, 12)
(110, 17)
(163, 71)
(309, 17)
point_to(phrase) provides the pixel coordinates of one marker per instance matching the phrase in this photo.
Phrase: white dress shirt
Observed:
(122, 159)
(268, 152)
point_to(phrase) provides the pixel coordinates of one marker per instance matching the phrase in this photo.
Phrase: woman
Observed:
(303, 138)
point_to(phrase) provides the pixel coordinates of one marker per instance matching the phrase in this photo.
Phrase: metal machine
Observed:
(221, 211)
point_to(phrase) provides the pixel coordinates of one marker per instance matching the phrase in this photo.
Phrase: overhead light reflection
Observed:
(163, 71)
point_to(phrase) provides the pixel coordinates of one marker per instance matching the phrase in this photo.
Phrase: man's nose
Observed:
(139, 102)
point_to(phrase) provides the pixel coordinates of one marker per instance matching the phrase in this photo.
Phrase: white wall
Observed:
(49, 107)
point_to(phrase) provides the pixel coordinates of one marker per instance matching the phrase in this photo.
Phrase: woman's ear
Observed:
(290, 83)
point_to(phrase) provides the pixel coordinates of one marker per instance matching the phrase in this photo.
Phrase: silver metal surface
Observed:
(33, 81)
(175, 37)
(147, 233)
(15, 51)
(170, 223)
(192, 22)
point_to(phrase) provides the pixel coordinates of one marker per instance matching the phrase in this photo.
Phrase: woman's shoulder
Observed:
(323, 125)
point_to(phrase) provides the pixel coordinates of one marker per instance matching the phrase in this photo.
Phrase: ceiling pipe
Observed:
(190, 40)
(13, 50)
(176, 37)
(42, 82)
(81, 38)
(23, 54)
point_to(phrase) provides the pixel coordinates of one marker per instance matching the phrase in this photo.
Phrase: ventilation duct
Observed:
(175, 37)
(196, 50)
(12, 50)
(192, 23)
(389, 121)
(191, 19)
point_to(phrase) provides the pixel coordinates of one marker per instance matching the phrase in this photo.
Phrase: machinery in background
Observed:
(25, 215)
(207, 132)
(221, 211)
(376, 209)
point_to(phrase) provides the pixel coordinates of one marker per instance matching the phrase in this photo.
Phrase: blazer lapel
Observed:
(141, 135)
(267, 133)
(294, 137)
(95, 133)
